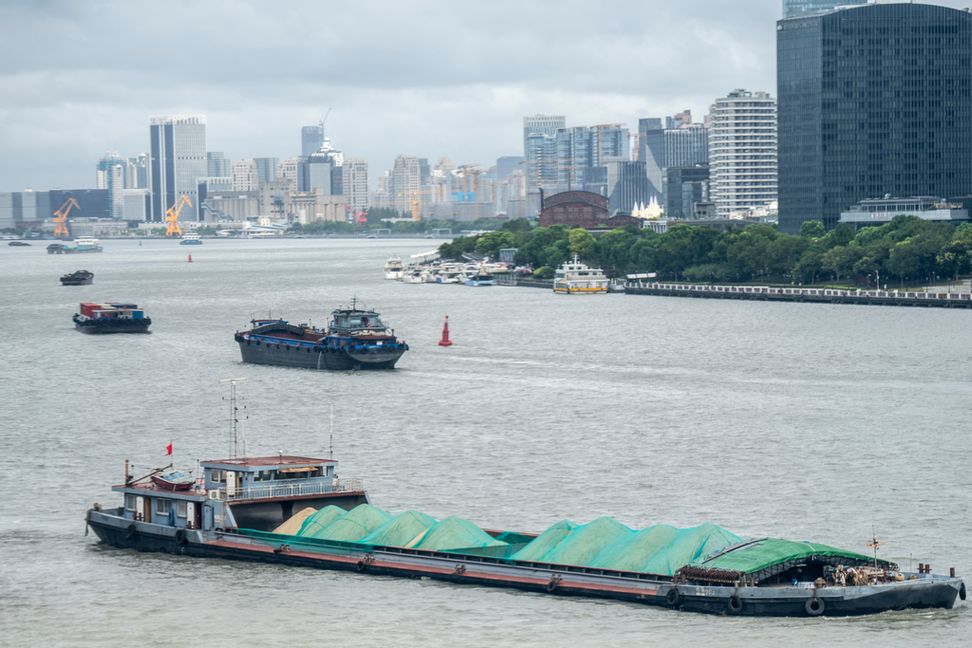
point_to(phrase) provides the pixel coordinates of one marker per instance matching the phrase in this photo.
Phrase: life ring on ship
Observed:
(131, 532)
(734, 605)
(672, 598)
(180, 537)
(814, 606)
(962, 592)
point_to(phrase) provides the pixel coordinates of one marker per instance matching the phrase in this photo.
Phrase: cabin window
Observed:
(162, 506)
(129, 502)
(330, 471)
(216, 475)
(181, 509)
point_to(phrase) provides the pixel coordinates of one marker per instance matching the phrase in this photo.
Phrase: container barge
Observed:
(294, 510)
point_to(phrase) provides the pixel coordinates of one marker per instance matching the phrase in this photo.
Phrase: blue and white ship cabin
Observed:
(246, 492)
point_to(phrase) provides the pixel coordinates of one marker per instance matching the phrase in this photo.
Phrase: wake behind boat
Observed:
(355, 339)
(294, 510)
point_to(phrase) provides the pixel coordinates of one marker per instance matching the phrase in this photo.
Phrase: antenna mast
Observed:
(330, 443)
(236, 428)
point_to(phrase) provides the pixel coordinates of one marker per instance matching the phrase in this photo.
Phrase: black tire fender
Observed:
(131, 532)
(181, 537)
(551, 586)
(814, 606)
(734, 605)
(962, 592)
(360, 566)
(672, 598)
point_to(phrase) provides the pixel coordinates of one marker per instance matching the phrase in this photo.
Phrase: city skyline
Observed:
(454, 84)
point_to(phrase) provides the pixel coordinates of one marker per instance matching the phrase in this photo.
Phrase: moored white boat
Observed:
(576, 278)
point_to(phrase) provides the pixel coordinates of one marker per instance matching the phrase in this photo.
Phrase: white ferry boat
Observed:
(394, 269)
(575, 277)
(191, 238)
(87, 244)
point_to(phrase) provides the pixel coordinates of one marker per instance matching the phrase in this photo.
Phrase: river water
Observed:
(790, 420)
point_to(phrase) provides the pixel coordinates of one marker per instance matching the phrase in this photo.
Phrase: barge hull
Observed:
(930, 592)
(314, 357)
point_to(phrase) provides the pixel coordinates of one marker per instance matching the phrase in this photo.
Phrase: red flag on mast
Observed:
(168, 448)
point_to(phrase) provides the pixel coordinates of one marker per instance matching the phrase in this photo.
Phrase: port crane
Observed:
(172, 216)
(61, 216)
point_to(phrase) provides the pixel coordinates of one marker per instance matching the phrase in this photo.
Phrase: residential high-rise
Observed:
(178, 160)
(311, 139)
(355, 181)
(796, 8)
(540, 155)
(742, 152)
(111, 176)
(137, 172)
(245, 176)
(405, 183)
(873, 101)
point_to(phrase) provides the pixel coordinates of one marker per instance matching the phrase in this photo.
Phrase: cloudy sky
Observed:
(431, 79)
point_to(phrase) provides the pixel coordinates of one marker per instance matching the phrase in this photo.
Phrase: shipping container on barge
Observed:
(354, 339)
(111, 317)
(295, 510)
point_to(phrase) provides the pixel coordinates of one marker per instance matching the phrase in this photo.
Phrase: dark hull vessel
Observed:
(235, 511)
(78, 278)
(355, 339)
(97, 327)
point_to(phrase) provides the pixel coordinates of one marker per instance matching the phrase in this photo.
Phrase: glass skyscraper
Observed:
(794, 8)
(873, 100)
(178, 160)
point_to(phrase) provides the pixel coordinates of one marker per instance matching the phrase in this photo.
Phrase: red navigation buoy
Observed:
(190, 258)
(445, 341)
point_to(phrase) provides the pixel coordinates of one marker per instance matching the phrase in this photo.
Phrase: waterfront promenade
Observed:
(794, 294)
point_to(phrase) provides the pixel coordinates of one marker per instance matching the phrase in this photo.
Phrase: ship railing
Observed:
(296, 489)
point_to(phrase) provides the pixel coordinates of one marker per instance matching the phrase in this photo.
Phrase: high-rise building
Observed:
(684, 187)
(111, 176)
(873, 101)
(574, 158)
(627, 185)
(311, 139)
(245, 177)
(289, 170)
(540, 153)
(405, 183)
(796, 8)
(266, 169)
(742, 152)
(178, 160)
(355, 183)
(670, 142)
(217, 165)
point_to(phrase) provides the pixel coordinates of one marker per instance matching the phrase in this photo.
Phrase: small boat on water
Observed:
(479, 278)
(191, 238)
(294, 510)
(394, 268)
(355, 338)
(87, 244)
(576, 278)
(18, 244)
(77, 278)
(175, 480)
(111, 317)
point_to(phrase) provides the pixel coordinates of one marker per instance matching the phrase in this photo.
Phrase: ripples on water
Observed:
(795, 420)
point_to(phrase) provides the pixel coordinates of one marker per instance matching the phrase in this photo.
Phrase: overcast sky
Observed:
(432, 79)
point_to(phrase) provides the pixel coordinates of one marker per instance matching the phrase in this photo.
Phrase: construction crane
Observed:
(61, 216)
(172, 216)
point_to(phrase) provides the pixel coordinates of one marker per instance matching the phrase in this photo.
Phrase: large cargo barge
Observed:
(295, 510)
(111, 317)
(355, 339)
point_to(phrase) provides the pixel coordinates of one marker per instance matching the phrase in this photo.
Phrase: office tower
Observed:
(627, 185)
(316, 174)
(111, 176)
(574, 158)
(405, 183)
(266, 169)
(506, 166)
(742, 152)
(685, 186)
(137, 172)
(874, 101)
(797, 8)
(355, 183)
(670, 142)
(217, 166)
(289, 170)
(245, 176)
(178, 160)
(610, 143)
(311, 139)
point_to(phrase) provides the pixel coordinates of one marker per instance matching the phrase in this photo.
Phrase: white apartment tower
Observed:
(355, 183)
(742, 153)
(245, 176)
